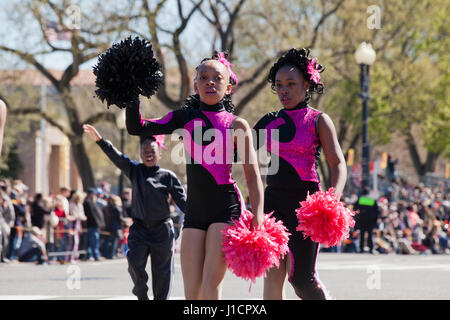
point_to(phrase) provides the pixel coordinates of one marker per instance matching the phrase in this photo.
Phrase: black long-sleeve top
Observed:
(38, 213)
(151, 186)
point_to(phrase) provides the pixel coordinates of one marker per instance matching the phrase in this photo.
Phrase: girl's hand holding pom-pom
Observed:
(324, 218)
(250, 251)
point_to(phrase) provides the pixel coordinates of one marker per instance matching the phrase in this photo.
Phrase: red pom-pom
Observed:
(250, 252)
(324, 218)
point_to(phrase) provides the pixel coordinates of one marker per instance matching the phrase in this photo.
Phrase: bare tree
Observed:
(153, 29)
(86, 42)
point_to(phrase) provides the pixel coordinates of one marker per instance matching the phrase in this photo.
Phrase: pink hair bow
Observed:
(311, 69)
(159, 139)
(228, 65)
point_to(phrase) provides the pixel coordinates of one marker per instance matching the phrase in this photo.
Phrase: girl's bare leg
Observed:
(215, 267)
(192, 256)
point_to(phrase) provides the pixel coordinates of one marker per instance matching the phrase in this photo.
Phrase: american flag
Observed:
(54, 32)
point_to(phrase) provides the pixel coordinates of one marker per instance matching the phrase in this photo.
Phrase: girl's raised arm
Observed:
(136, 125)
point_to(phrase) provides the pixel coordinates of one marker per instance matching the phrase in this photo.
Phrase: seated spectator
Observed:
(431, 240)
(412, 216)
(417, 237)
(404, 243)
(444, 237)
(351, 245)
(381, 244)
(32, 248)
(389, 236)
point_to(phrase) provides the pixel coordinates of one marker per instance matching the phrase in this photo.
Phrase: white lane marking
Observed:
(383, 266)
(26, 297)
(88, 297)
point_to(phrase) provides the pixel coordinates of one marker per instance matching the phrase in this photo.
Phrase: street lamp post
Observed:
(120, 122)
(365, 56)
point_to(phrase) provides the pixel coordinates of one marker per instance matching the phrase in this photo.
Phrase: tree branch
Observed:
(150, 16)
(73, 69)
(255, 74)
(46, 116)
(253, 92)
(41, 21)
(226, 34)
(415, 157)
(233, 15)
(321, 21)
(101, 116)
(31, 60)
(204, 14)
(182, 64)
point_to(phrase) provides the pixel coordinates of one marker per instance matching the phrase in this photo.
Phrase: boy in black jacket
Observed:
(152, 231)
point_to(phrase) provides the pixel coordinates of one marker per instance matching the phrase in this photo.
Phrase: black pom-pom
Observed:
(125, 71)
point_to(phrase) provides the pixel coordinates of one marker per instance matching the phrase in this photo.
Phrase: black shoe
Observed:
(145, 297)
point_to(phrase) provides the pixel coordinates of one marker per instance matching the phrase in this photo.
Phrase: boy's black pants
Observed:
(156, 241)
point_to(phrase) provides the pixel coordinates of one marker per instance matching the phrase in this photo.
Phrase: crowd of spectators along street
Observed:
(73, 225)
(408, 219)
(64, 227)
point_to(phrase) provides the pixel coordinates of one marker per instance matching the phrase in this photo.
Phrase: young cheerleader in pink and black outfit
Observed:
(303, 131)
(209, 137)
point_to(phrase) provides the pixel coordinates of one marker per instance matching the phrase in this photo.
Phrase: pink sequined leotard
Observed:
(212, 194)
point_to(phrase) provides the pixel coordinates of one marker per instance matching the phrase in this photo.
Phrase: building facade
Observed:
(48, 161)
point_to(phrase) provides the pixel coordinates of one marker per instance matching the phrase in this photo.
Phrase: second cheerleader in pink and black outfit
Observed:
(302, 132)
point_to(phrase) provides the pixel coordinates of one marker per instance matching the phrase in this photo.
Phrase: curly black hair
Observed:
(193, 101)
(299, 59)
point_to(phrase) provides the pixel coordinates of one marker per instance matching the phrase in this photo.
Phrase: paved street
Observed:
(346, 276)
